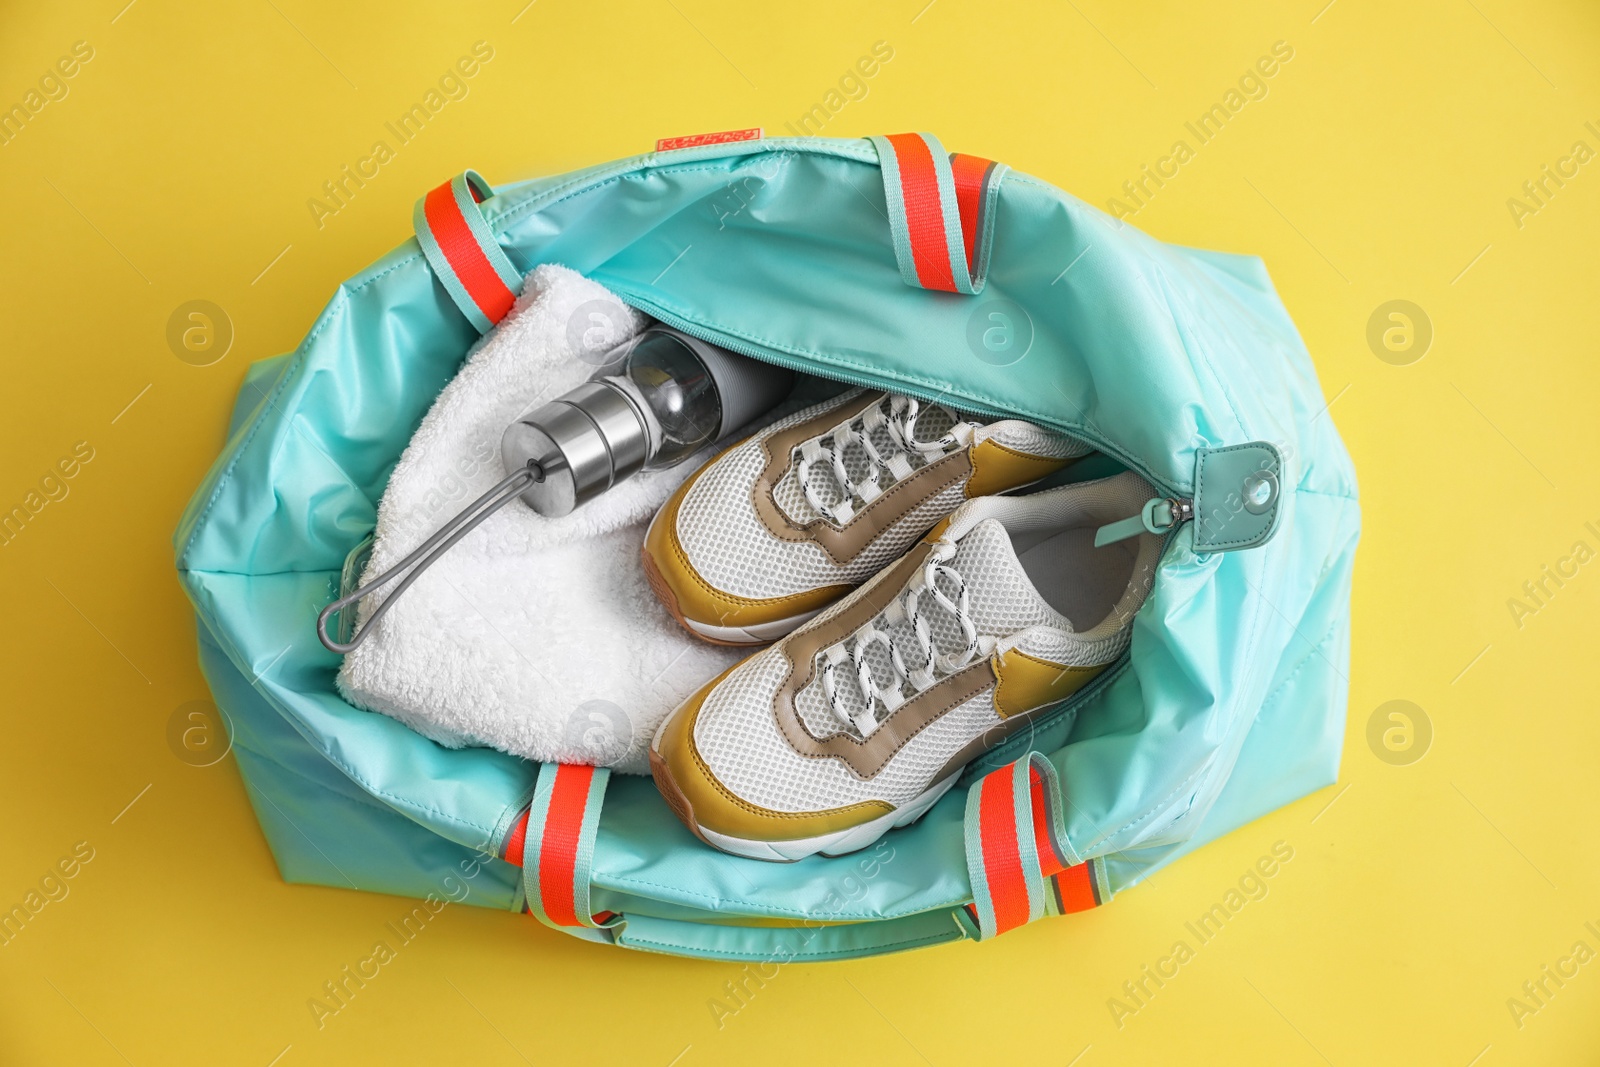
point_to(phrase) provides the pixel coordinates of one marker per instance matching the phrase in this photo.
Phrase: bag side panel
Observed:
(261, 624)
(1293, 747)
(325, 830)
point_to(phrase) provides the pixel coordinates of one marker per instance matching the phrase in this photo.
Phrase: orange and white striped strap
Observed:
(1018, 857)
(941, 211)
(463, 252)
(553, 842)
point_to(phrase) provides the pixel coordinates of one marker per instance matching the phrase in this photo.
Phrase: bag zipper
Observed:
(801, 366)
(1158, 516)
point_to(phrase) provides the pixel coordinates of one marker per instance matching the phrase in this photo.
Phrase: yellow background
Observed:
(1421, 895)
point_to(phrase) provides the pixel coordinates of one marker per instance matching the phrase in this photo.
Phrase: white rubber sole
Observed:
(760, 634)
(838, 843)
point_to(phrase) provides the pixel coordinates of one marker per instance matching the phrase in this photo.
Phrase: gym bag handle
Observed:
(941, 211)
(1018, 857)
(554, 844)
(941, 222)
(463, 253)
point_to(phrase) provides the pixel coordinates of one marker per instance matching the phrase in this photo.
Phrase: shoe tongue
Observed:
(1000, 595)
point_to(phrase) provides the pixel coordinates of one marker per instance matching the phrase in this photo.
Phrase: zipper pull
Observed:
(1159, 515)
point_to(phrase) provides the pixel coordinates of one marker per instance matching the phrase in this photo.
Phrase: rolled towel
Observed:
(539, 637)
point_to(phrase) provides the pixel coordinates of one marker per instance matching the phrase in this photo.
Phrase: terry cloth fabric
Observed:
(539, 637)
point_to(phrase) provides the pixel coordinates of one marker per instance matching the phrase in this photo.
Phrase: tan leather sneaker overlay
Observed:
(867, 758)
(687, 595)
(700, 800)
(1022, 683)
(996, 468)
(844, 543)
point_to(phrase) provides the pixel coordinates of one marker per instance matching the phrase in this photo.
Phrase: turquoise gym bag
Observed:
(883, 262)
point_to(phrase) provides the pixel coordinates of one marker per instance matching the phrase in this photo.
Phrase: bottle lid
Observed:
(585, 442)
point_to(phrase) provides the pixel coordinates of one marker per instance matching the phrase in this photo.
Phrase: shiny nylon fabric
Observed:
(1230, 704)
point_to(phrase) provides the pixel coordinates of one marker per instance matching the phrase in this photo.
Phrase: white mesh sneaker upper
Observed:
(1034, 440)
(732, 550)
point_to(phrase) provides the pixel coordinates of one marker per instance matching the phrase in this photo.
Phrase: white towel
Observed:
(539, 637)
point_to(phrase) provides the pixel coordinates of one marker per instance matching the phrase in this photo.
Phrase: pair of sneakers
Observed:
(919, 616)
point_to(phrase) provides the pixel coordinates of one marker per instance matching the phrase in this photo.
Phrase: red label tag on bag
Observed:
(668, 144)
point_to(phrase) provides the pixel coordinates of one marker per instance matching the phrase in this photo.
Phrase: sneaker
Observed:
(786, 522)
(860, 720)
